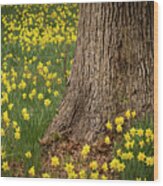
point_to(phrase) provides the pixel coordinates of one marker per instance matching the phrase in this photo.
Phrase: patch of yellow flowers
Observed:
(116, 165)
(35, 38)
(133, 146)
(25, 114)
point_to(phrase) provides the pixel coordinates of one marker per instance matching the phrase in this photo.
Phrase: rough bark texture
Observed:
(113, 69)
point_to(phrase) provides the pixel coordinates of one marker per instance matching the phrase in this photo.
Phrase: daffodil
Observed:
(28, 154)
(40, 96)
(10, 106)
(86, 150)
(6, 118)
(148, 132)
(59, 81)
(109, 125)
(127, 136)
(140, 132)
(47, 102)
(93, 165)
(141, 143)
(127, 156)
(114, 164)
(31, 171)
(55, 161)
(3, 154)
(72, 175)
(107, 140)
(119, 152)
(128, 114)
(5, 166)
(45, 175)
(141, 156)
(133, 114)
(149, 161)
(105, 167)
(56, 93)
(82, 174)
(69, 167)
(2, 132)
(25, 114)
(17, 135)
(103, 177)
(129, 144)
(14, 124)
(132, 131)
(121, 167)
(119, 128)
(119, 120)
(22, 85)
(24, 95)
(94, 175)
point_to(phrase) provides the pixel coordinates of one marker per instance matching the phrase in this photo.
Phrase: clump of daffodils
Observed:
(25, 114)
(31, 81)
(127, 155)
(17, 134)
(119, 121)
(116, 165)
(5, 117)
(133, 150)
(129, 114)
(69, 168)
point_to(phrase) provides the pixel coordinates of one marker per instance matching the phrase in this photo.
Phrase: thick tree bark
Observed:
(112, 71)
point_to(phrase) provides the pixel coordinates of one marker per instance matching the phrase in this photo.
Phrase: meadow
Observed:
(38, 45)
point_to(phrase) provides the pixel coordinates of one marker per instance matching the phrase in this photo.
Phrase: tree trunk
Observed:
(112, 71)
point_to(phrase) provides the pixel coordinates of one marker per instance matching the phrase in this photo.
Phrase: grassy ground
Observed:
(38, 43)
